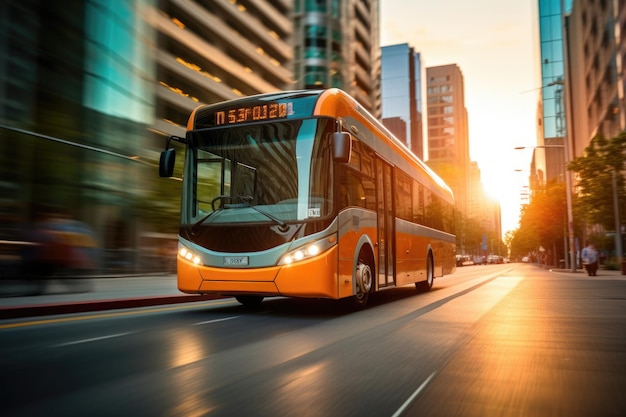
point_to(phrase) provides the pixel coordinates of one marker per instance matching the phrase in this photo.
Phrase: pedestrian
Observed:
(589, 256)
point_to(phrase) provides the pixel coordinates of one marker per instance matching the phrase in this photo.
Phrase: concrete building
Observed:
(448, 138)
(597, 49)
(208, 52)
(481, 207)
(337, 45)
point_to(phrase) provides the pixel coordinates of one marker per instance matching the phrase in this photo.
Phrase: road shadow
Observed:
(319, 307)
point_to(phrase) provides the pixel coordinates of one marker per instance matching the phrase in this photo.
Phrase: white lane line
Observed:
(215, 321)
(93, 339)
(412, 397)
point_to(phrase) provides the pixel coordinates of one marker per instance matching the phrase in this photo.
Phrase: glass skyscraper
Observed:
(401, 90)
(553, 121)
(552, 65)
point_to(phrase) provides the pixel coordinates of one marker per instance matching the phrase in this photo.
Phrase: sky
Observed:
(493, 43)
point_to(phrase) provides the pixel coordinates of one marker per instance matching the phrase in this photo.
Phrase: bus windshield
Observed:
(276, 172)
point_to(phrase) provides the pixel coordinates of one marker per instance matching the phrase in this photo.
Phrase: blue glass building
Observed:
(401, 90)
(553, 121)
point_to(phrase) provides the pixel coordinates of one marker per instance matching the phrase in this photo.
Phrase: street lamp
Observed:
(568, 193)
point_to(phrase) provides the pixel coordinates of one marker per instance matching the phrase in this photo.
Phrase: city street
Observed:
(493, 340)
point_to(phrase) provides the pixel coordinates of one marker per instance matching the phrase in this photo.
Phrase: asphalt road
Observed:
(499, 340)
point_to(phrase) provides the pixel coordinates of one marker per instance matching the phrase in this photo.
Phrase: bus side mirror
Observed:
(342, 147)
(166, 163)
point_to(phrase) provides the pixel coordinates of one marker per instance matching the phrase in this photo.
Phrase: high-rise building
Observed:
(337, 45)
(484, 209)
(448, 138)
(597, 47)
(401, 89)
(553, 124)
(213, 51)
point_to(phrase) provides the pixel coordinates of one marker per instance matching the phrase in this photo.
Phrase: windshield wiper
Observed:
(203, 219)
(246, 198)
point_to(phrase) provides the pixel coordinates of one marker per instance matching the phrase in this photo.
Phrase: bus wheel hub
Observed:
(364, 278)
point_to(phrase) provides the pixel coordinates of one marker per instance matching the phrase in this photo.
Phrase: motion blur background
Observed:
(91, 89)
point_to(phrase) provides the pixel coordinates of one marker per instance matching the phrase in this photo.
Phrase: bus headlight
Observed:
(307, 251)
(189, 255)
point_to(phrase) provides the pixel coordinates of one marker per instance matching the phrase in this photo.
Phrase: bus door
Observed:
(384, 198)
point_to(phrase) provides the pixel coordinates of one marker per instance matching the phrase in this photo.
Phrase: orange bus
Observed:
(305, 194)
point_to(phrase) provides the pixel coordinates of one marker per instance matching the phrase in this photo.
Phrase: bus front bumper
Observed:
(316, 277)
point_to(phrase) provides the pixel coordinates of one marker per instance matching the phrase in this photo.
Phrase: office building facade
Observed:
(219, 50)
(448, 137)
(336, 44)
(553, 124)
(597, 46)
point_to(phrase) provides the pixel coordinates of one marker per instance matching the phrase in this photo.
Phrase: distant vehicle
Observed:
(305, 194)
(525, 259)
(494, 259)
(480, 260)
(464, 260)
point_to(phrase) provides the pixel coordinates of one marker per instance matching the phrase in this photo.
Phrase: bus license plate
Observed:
(235, 260)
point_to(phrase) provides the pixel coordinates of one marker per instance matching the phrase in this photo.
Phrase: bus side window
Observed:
(351, 192)
(404, 202)
(418, 202)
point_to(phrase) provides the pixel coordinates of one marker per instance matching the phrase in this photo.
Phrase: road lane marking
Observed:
(215, 320)
(412, 397)
(108, 315)
(93, 339)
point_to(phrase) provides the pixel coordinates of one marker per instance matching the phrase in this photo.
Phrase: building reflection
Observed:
(187, 348)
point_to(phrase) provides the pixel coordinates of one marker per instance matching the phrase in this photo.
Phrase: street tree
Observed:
(601, 167)
(543, 222)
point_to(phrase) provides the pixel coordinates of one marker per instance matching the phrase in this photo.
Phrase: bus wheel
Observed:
(250, 300)
(364, 282)
(430, 275)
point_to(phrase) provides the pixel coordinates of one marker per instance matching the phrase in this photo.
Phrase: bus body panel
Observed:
(412, 245)
(411, 253)
(353, 225)
(315, 277)
(448, 257)
(239, 287)
(265, 274)
(189, 278)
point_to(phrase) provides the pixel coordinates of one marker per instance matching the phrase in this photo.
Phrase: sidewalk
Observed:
(97, 294)
(93, 294)
(602, 273)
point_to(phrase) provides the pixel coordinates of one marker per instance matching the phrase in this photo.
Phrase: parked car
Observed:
(494, 259)
(463, 260)
(480, 260)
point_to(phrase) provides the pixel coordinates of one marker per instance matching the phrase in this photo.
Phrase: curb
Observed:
(98, 305)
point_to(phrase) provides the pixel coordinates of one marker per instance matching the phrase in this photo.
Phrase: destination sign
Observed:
(254, 113)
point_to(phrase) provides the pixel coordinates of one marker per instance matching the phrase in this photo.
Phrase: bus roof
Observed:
(331, 102)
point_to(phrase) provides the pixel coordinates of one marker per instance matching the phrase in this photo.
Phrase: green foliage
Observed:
(543, 221)
(595, 174)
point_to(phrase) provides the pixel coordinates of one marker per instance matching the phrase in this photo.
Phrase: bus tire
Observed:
(430, 275)
(250, 300)
(364, 282)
